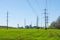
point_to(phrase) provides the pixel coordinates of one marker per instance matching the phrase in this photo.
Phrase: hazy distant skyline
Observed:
(19, 10)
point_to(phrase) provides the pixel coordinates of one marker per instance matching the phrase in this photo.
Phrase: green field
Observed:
(29, 34)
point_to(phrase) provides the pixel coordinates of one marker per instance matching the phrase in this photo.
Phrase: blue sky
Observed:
(20, 9)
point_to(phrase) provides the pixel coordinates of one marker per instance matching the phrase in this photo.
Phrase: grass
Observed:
(29, 34)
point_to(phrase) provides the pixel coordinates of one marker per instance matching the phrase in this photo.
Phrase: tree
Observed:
(56, 24)
(53, 25)
(58, 21)
(30, 26)
(27, 27)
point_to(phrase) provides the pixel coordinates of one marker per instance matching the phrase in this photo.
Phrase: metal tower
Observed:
(7, 19)
(24, 22)
(46, 16)
(37, 22)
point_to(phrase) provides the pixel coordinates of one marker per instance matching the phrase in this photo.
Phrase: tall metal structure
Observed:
(37, 21)
(18, 25)
(24, 22)
(7, 19)
(46, 16)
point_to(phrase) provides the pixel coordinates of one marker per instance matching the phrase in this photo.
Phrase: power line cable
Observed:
(34, 11)
(37, 4)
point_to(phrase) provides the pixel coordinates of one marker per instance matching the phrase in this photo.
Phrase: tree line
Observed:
(55, 24)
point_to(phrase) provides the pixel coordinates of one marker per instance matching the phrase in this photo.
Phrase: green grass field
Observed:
(29, 34)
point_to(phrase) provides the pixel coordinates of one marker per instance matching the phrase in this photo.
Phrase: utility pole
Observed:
(7, 19)
(37, 22)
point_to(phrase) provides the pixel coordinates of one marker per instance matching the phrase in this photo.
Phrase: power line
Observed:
(46, 4)
(33, 11)
(39, 9)
(37, 4)
(31, 7)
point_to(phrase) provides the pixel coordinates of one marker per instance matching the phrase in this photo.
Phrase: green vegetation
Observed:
(29, 34)
(55, 24)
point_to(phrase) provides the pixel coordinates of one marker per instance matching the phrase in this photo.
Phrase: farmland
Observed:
(29, 34)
